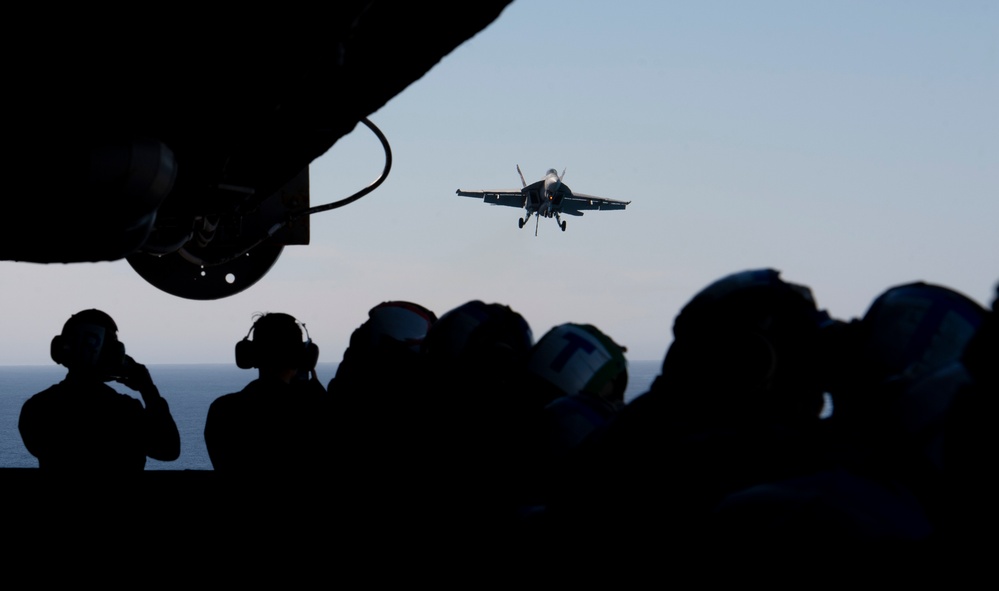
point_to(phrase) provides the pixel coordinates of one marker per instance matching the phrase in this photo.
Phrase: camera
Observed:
(123, 369)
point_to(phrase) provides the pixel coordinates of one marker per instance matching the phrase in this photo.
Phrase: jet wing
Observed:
(576, 203)
(508, 198)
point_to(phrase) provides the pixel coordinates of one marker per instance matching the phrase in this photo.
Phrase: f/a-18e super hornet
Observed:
(549, 197)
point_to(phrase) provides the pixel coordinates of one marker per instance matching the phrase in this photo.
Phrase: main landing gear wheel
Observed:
(521, 222)
(563, 226)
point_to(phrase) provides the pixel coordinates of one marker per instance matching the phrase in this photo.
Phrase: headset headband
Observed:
(251, 353)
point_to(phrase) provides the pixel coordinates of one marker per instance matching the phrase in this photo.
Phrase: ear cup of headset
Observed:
(310, 355)
(59, 350)
(246, 354)
(754, 361)
(746, 361)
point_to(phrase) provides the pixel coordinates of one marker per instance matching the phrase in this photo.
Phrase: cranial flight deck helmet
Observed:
(476, 330)
(394, 322)
(89, 343)
(579, 359)
(758, 298)
(392, 337)
(750, 338)
(916, 328)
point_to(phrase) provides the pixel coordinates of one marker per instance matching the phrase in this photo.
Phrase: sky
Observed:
(851, 145)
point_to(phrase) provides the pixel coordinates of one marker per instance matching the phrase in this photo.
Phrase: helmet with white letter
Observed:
(915, 328)
(580, 359)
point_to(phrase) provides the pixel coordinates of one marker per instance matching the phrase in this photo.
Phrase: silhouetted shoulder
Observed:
(268, 424)
(68, 426)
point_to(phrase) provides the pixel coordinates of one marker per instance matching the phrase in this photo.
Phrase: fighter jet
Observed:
(549, 197)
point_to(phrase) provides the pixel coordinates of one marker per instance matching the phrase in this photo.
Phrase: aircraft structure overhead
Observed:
(549, 197)
(180, 139)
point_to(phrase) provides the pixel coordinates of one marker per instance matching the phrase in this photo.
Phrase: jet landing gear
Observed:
(524, 219)
(559, 221)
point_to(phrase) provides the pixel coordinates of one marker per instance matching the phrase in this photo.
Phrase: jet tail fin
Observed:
(521, 176)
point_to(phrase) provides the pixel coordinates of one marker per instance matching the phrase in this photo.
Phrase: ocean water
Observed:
(189, 389)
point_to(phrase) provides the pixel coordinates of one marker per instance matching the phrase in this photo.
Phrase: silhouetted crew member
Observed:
(275, 422)
(477, 412)
(383, 418)
(580, 374)
(736, 405)
(81, 423)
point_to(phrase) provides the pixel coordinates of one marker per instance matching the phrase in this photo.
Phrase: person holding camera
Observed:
(82, 424)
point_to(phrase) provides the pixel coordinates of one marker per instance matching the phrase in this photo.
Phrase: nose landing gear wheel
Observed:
(563, 226)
